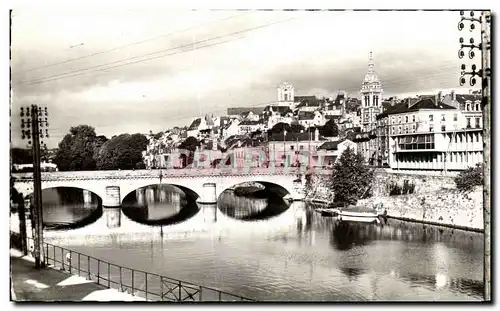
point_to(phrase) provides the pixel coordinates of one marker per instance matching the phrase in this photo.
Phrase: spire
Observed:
(371, 65)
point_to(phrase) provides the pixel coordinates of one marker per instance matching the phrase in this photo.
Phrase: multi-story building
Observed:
(311, 119)
(431, 135)
(371, 98)
(247, 127)
(293, 148)
(469, 105)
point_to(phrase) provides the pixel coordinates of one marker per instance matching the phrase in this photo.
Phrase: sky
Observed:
(136, 70)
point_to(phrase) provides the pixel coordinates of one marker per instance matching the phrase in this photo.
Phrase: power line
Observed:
(72, 73)
(132, 44)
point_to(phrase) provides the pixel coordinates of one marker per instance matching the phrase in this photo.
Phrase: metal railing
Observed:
(149, 286)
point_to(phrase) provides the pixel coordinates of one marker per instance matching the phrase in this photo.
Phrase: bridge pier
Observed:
(112, 198)
(208, 194)
(209, 212)
(113, 217)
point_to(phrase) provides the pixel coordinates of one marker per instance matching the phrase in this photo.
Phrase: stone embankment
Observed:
(449, 208)
(434, 200)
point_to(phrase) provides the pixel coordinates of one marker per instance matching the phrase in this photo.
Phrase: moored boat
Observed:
(359, 214)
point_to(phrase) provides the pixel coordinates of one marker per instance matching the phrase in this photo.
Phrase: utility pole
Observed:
(32, 129)
(485, 74)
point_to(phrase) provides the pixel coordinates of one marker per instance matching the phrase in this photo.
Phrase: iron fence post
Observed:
(47, 253)
(54, 252)
(200, 296)
(62, 258)
(161, 287)
(109, 278)
(133, 293)
(69, 262)
(180, 290)
(88, 267)
(220, 296)
(121, 286)
(146, 284)
(98, 270)
(79, 264)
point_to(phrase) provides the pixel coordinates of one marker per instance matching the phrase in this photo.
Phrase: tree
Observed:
(122, 152)
(330, 129)
(76, 150)
(21, 156)
(280, 128)
(190, 144)
(351, 180)
(470, 178)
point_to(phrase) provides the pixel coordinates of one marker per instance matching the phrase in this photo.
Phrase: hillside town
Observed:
(429, 132)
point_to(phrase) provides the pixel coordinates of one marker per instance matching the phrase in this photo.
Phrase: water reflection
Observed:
(313, 259)
(69, 208)
(251, 209)
(159, 205)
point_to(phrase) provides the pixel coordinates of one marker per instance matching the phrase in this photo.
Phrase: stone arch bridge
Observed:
(204, 184)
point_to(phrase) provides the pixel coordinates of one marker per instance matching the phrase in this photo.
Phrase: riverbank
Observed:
(431, 203)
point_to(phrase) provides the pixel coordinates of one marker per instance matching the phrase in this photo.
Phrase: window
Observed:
(478, 125)
(301, 147)
(291, 147)
(455, 117)
(400, 130)
(406, 119)
(431, 128)
(468, 123)
(443, 117)
(443, 128)
(477, 107)
(406, 129)
(468, 107)
(413, 118)
(399, 120)
(431, 117)
(413, 128)
(286, 97)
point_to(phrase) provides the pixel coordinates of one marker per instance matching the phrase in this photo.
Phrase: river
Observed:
(315, 260)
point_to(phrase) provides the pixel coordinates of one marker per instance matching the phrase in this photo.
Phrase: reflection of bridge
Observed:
(114, 224)
(204, 184)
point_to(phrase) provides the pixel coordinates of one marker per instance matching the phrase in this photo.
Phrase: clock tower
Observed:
(371, 98)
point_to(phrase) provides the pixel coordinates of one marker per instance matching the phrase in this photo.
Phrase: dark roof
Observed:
(306, 115)
(194, 126)
(386, 105)
(425, 103)
(248, 122)
(339, 98)
(462, 98)
(241, 110)
(331, 145)
(299, 99)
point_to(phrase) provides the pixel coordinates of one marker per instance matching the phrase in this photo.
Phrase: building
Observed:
(311, 119)
(431, 135)
(469, 105)
(247, 127)
(199, 125)
(371, 98)
(230, 128)
(330, 151)
(293, 149)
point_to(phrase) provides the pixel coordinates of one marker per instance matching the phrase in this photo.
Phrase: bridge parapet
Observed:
(167, 173)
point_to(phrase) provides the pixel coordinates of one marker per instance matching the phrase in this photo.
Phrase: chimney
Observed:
(316, 135)
(438, 98)
(453, 95)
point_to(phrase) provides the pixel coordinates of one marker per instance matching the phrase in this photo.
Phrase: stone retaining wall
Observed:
(447, 207)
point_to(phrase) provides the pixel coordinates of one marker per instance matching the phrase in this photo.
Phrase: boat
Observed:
(359, 214)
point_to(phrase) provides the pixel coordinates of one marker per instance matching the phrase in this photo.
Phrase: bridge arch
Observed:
(191, 194)
(27, 191)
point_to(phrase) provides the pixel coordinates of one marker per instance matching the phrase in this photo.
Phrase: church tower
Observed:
(285, 94)
(371, 98)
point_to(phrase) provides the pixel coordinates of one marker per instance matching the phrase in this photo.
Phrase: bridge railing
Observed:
(166, 173)
(146, 285)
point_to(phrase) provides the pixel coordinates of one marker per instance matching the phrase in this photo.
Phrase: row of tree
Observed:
(82, 150)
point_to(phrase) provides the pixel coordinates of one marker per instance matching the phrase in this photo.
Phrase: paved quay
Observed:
(31, 285)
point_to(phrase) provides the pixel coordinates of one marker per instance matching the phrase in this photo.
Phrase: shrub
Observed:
(470, 178)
